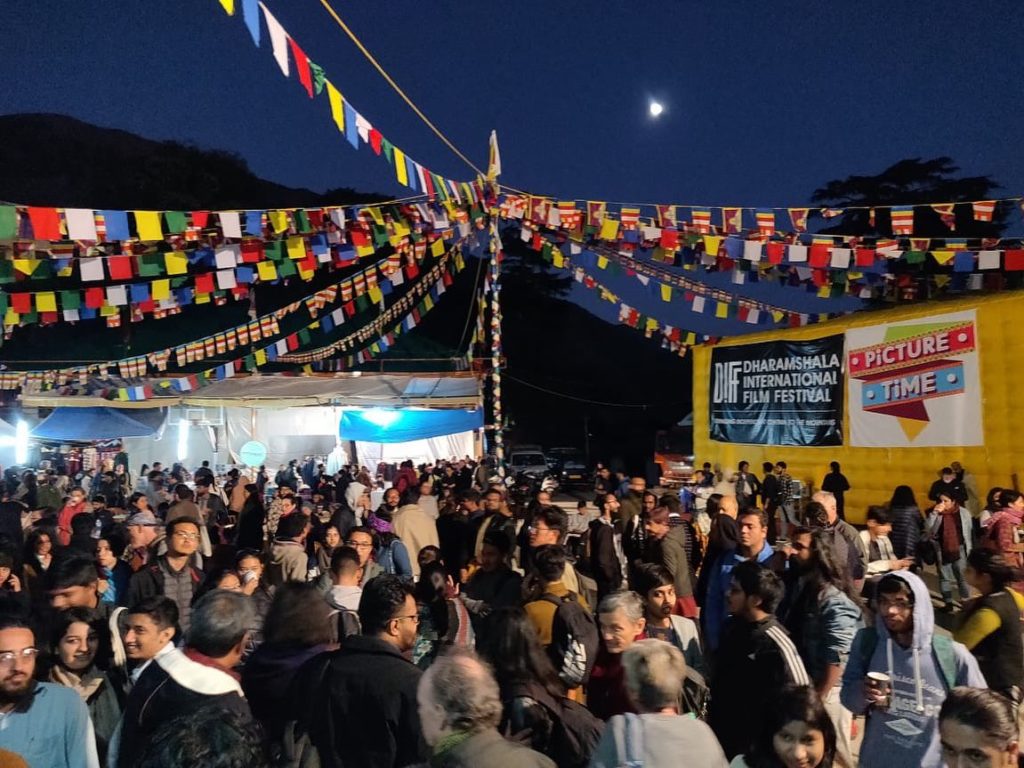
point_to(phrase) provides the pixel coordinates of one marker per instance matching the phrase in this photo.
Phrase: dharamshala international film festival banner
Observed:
(915, 383)
(778, 393)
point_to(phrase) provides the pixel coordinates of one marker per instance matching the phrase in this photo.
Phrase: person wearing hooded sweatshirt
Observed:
(902, 728)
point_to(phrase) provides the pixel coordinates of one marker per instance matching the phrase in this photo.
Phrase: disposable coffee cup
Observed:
(883, 683)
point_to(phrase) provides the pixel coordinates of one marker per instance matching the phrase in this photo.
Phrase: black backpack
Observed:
(575, 730)
(574, 639)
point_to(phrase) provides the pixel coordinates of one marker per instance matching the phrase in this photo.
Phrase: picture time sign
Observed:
(778, 393)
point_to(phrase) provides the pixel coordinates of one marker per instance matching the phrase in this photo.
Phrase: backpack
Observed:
(574, 639)
(575, 731)
(942, 650)
(630, 751)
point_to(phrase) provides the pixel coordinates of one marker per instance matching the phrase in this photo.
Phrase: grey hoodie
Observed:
(906, 735)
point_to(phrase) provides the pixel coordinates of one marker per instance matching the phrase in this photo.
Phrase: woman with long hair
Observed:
(297, 628)
(74, 646)
(249, 528)
(907, 522)
(797, 733)
(824, 617)
(330, 540)
(530, 688)
(444, 620)
(990, 624)
(38, 557)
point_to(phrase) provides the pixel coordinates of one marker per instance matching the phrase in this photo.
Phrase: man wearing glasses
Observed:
(44, 723)
(170, 574)
(361, 540)
(368, 685)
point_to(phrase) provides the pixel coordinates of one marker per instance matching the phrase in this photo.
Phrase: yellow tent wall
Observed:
(874, 472)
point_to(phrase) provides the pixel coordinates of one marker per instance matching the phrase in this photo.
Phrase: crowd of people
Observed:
(420, 616)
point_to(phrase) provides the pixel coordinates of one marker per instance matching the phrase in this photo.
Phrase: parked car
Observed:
(570, 466)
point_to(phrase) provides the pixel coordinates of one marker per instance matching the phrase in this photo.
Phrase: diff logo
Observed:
(915, 364)
(727, 382)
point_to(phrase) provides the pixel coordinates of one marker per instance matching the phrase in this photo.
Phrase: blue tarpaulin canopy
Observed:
(384, 425)
(87, 424)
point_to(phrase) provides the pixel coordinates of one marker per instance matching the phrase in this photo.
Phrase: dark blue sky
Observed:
(765, 101)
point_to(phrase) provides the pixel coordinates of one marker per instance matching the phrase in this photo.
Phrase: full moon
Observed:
(655, 109)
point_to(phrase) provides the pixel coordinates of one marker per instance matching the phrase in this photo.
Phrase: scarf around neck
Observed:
(85, 685)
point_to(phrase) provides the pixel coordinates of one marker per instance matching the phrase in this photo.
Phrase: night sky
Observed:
(765, 101)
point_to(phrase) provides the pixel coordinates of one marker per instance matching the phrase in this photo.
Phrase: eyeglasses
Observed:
(186, 536)
(7, 658)
(356, 545)
(414, 618)
(538, 529)
(898, 604)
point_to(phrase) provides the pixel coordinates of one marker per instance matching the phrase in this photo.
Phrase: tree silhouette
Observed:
(914, 182)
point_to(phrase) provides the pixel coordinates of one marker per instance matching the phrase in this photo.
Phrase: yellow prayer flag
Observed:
(261, 356)
(602, 262)
(376, 215)
(266, 270)
(558, 259)
(943, 256)
(721, 309)
(711, 244)
(375, 294)
(609, 229)
(228, 6)
(46, 302)
(437, 247)
(11, 317)
(148, 225)
(176, 263)
(26, 266)
(401, 229)
(666, 292)
(203, 298)
(161, 289)
(652, 324)
(337, 106)
(306, 274)
(691, 338)
(296, 248)
(278, 220)
(428, 302)
(106, 310)
(824, 291)
(403, 177)
(364, 250)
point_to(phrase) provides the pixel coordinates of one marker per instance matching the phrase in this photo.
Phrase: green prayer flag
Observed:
(274, 249)
(304, 336)
(389, 150)
(302, 221)
(177, 282)
(914, 257)
(30, 317)
(8, 222)
(286, 268)
(545, 252)
(70, 300)
(6, 271)
(318, 76)
(3, 303)
(362, 302)
(43, 270)
(250, 362)
(380, 237)
(151, 265)
(175, 222)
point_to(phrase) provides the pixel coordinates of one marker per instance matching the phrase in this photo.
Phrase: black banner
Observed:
(778, 393)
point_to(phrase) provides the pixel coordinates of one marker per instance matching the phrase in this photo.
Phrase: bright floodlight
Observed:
(382, 417)
(655, 108)
(21, 443)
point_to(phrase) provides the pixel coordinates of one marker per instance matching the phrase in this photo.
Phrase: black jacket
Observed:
(361, 709)
(149, 582)
(173, 685)
(604, 565)
(753, 662)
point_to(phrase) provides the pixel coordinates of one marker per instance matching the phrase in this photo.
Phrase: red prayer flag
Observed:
(1013, 260)
(200, 218)
(820, 255)
(412, 272)
(864, 257)
(775, 252)
(94, 298)
(375, 140)
(204, 283)
(45, 223)
(302, 67)
(21, 303)
(120, 267)
(252, 251)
